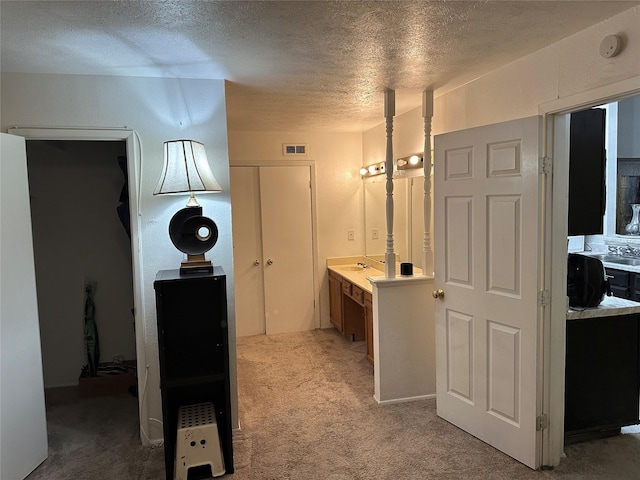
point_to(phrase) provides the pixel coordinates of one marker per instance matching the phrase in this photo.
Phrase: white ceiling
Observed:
(308, 65)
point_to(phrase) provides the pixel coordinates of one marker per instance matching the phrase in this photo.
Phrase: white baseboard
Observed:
(404, 400)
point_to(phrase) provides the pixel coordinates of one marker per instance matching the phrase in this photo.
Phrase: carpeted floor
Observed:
(307, 412)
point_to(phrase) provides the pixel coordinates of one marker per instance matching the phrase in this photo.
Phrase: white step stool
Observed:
(197, 442)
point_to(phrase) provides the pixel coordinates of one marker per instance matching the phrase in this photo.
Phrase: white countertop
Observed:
(609, 307)
(347, 267)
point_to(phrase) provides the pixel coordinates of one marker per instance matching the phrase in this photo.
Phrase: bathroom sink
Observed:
(349, 268)
(617, 259)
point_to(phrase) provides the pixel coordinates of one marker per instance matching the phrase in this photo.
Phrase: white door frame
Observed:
(555, 146)
(314, 224)
(130, 137)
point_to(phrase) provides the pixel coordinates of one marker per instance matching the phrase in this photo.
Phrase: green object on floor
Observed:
(92, 344)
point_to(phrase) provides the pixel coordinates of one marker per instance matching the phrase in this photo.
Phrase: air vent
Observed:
(294, 149)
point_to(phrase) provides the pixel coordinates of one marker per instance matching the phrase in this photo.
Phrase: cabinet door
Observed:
(602, 373)
(192, 328)
(620, 282)
(335, 302)
(586, 172)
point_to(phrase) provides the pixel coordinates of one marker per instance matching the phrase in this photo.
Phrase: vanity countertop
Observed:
(610, 306)
(348, 268)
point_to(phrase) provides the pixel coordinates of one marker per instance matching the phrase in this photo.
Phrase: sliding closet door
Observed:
(273, 254)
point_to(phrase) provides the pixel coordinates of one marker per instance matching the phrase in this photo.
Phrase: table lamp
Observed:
(186, 170)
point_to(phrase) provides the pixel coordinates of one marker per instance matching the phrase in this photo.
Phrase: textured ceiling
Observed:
(316, 65)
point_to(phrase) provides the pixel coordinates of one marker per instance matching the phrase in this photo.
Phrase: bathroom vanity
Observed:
(395, 316)
(351, 301)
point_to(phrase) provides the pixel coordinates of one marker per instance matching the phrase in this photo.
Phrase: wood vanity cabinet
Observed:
(335, 301)
(368, 325)
(353, 310)
(346, 307)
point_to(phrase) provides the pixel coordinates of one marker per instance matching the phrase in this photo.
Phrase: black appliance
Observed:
(587, 282)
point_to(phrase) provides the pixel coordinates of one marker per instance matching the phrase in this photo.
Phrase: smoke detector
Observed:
(610, 46)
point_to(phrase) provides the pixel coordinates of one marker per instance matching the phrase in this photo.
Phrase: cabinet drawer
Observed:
(346, 287)
(620, 292)
(335, 276)
(618, 277)
(368, 299)
(357, 294)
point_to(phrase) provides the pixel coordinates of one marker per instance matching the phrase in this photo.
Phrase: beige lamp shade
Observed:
(186, 169)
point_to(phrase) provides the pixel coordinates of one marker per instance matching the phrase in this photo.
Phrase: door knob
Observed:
(256, 263)
(269, 262)
(439, 293)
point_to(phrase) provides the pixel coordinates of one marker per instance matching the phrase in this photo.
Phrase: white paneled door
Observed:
(273, 249)
(487, 250)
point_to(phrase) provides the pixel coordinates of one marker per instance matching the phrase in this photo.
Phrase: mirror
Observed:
(408, 218)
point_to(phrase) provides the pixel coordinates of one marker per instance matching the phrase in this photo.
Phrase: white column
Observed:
(389, 113)
(427, 113)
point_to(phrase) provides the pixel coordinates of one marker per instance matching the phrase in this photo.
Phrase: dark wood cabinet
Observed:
(620, 282)
(193, 348)
(624, 284)
(602, 376)
(587, 172)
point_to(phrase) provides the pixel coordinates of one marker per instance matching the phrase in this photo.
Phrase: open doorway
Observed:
(82, 250)
(556, 146)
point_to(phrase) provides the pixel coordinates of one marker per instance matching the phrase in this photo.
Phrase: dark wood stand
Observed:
(193, 346)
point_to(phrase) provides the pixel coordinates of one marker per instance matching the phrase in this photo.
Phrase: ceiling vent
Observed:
(294, 149)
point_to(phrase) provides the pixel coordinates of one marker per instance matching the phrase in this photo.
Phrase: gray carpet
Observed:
(307, 412)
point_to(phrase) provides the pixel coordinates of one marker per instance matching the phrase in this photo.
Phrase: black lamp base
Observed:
(193, 234)
(196, 264)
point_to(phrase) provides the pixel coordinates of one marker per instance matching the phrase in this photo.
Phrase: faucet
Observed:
(363, 265)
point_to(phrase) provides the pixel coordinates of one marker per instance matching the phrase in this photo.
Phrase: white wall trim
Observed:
(555, 122)
(134, 155)
(604, 94)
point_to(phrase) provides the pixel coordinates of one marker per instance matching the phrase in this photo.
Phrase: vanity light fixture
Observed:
(412, 161)
(185, 171)
(373, 169)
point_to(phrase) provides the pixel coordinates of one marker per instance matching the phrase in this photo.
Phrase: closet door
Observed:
(286, 244)
(247, 251)
(272, 227)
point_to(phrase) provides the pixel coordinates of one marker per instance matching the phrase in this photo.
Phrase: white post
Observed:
(389, 113)
(427, 113)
